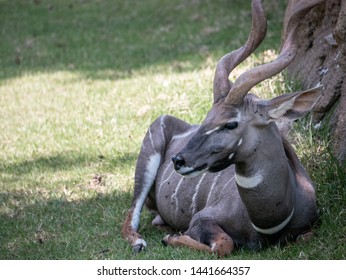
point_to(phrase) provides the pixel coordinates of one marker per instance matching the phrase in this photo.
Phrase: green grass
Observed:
(81, 81)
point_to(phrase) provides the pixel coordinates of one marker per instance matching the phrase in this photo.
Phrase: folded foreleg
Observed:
(203, 235)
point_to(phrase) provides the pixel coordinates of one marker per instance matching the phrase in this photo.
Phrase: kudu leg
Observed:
(185, 240)
(305, 237)
(205, 235)
(161, 225)
(148, 163)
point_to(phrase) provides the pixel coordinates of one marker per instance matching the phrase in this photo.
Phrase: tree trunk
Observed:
(321, 58)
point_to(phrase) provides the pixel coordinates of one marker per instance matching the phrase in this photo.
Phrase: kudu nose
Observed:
(178, 161)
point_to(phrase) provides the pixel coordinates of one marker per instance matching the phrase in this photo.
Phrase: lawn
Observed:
(81, 81)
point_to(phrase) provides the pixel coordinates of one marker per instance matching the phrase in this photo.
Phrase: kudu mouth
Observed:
(181, 167)
(221, 165)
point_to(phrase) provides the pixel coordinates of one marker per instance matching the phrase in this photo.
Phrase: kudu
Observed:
(256, 192)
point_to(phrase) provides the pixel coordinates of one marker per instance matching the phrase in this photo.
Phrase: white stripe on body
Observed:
(167, 179)
(151, 139)
(161, 129)
(216, 178)
(193, 204)
(174, 199)
(228, 182)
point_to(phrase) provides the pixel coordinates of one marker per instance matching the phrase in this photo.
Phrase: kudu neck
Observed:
(266, 182)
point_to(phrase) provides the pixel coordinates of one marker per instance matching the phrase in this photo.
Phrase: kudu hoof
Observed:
(139, 246)
(223, 245)
(305, 237)
(166, 240)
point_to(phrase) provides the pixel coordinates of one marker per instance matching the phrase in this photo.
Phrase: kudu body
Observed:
(255, 191)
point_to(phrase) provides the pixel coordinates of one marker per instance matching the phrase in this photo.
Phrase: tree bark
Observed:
(321, 59)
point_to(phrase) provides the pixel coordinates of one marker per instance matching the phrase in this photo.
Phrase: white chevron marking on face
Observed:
(236, 119)
(183, 135)
(212, 130)
(249, 182)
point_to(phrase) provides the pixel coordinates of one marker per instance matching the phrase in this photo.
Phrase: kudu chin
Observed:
(234, 180)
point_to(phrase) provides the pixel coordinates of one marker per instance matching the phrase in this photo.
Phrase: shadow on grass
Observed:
(54, 229)
(65, 161)
(47, 211)
(35, 228)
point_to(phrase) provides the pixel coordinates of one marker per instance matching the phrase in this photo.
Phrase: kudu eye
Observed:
(231, 125)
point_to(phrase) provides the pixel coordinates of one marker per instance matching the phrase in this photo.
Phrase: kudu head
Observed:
(238, 121)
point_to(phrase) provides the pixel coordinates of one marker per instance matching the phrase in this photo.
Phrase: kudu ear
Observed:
(293, 106)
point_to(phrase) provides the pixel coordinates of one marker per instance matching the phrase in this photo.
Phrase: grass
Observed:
(81, 81)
